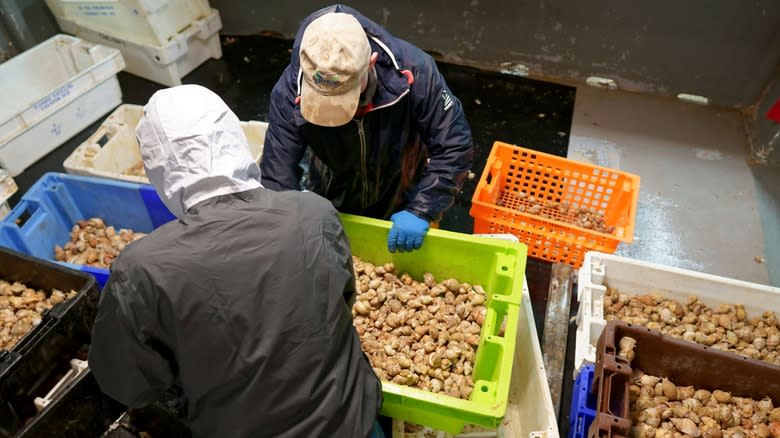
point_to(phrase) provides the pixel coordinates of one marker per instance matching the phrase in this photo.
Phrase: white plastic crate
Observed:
(530, 412)
(7, 188)
(113, 148)
(635, 277)
(152, 22)
(399, 431)
(165, 64)
(51, 92)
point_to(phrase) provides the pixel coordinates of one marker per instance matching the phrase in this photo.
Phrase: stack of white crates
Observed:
(161, 40)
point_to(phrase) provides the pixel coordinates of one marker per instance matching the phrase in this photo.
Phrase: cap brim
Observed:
(335, 110)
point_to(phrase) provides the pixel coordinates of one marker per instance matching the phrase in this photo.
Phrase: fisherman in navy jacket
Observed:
(367, 121)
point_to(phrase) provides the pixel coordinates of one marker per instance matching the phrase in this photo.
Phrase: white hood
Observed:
(193, 148)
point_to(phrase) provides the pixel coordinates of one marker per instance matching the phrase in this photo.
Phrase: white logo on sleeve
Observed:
(445, 96)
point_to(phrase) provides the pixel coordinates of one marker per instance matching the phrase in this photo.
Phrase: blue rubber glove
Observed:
(407, 232)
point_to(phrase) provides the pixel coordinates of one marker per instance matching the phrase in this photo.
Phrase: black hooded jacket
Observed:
(241, 303)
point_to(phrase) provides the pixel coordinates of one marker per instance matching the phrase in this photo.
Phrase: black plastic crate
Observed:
(42, 356)
(81, 410)
(162, 419)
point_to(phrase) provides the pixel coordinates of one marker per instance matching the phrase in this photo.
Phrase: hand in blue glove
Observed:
(407, 232)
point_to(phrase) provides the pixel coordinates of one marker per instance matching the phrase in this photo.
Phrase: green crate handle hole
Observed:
(504, 268)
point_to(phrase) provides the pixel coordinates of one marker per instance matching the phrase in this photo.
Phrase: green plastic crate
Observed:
(496, 265)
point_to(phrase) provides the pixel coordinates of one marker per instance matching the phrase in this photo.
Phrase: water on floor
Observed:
(699, 205)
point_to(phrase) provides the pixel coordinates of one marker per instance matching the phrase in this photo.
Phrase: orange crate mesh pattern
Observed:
(514, 176)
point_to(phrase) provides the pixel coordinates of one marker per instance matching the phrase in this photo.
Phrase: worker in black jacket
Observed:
(241, 300)
(373, 121)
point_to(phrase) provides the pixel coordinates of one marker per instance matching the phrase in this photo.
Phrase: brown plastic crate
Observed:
(684, 363)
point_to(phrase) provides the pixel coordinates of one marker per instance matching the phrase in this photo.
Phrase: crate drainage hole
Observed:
(23, 218)
(504, 268)
(484, 389)
(103, 140)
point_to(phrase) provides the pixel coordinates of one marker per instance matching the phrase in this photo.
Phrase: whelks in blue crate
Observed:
(94, 244)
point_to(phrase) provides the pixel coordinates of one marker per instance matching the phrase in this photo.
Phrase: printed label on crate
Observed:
(97, 10)
(54, 97)
(111, 39)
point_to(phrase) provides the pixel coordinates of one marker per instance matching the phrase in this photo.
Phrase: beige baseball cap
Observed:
(334, 58)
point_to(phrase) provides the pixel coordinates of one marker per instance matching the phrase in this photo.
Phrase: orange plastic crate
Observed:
(512, 169)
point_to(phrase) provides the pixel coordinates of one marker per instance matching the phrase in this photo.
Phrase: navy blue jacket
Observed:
(411, 151)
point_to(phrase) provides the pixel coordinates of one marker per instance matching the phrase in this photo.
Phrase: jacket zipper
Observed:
(398, 99)
(363, 165)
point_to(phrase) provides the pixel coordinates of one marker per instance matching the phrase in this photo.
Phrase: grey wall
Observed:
(23, 24)
(726, 50)
(40, 21)
(7, 46)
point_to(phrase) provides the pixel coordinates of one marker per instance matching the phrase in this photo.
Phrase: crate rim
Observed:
(452, 235)
(63, 267)
(595, 258)
(498, 143)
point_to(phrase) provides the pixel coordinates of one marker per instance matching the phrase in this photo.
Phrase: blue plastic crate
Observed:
(583, 403)
(51, 207)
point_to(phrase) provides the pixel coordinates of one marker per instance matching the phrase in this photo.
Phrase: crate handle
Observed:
(28, 213)
(77, 368)
(23, 212)
(492, 177)
(101, 137)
